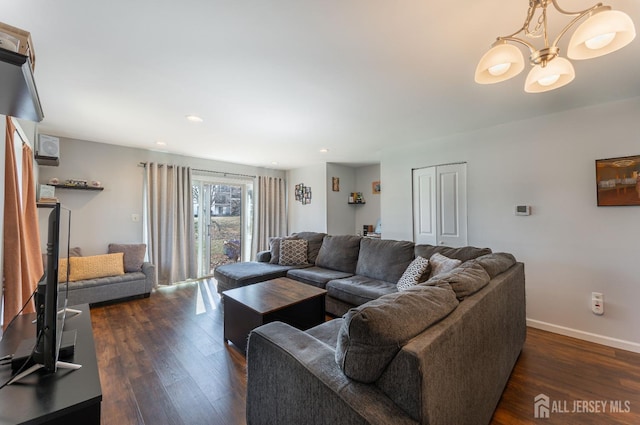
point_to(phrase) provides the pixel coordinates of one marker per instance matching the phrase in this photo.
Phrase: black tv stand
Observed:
(65, 397)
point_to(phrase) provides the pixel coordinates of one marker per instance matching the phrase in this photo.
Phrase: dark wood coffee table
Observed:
(282, 299)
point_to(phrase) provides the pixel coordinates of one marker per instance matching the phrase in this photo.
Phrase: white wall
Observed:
(340, 215)
(99, 218)
(311, 217)
(570, 247)
(368, 213)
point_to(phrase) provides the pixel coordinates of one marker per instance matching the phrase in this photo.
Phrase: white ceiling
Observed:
(278, 80)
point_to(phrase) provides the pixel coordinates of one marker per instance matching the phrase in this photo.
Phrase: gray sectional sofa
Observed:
(353, 269)
(438, 353)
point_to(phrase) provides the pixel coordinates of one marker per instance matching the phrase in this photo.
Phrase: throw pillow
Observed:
(274, 243)
(133, 255)
(441, 264)
(93, 267)
(465, 280)
(293, 252)
(413, 273)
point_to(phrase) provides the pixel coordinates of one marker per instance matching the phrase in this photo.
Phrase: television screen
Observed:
(618, 181)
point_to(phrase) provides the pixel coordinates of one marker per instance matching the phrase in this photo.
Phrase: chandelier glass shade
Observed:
(602, 31)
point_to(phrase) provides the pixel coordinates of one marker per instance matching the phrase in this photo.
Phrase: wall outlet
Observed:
(597, 303)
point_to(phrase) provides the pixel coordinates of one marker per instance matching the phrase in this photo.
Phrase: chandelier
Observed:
(603, 31)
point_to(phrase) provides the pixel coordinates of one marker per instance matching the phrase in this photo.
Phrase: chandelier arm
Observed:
(581, 12)
(531, 47)
(573, 21)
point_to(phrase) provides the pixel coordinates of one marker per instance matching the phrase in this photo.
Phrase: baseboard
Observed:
(587, 336)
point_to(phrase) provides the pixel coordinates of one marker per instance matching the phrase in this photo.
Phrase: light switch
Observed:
(135, 218)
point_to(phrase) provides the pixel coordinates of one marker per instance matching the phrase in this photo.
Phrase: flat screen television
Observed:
(50, 303)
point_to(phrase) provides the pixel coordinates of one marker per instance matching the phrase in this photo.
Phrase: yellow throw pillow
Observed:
(91, 267)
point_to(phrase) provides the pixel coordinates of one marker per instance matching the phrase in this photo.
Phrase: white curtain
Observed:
(169, 222)
(271, 211)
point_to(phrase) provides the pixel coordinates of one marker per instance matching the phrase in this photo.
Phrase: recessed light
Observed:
(274, 163)
(160, 143)
(324, 150)
(194, 118)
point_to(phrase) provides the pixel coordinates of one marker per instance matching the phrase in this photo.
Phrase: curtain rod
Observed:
(224, 173)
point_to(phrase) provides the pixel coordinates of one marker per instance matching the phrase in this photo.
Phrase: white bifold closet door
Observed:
(440, 205)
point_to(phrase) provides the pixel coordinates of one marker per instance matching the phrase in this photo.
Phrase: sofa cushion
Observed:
(133, 255)
(358, 290)
(339, 253)
(316, 276)
(274, 244)
(384, 259)
(465, 280)
(372, 334)
(463, 254)
(314, 241)
(441, 264)
(496, 263)
(293, 252)
(327, 332)
(240, 274)
(92, 267)
(413, 274)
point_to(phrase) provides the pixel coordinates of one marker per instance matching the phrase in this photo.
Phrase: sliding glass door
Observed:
(223, 220)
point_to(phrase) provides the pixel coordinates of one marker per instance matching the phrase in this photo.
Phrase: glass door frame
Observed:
(204, 181)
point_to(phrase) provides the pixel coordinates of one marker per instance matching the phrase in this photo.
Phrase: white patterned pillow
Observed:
(442, 264)
(413, 274)
(293, 252)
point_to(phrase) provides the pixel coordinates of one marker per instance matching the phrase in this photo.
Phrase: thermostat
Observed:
(523, 210)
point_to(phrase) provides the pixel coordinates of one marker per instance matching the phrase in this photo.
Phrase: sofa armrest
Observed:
(263, 256)
(293, 378)
(149, 270)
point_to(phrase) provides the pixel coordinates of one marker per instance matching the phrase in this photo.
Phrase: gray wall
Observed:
(368, 213)
(340, 215)
(570, 246)
(330, 211)
(311, 217)
(99, 218)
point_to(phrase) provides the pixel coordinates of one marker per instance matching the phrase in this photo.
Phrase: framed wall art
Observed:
(375, 187)
(618, 181)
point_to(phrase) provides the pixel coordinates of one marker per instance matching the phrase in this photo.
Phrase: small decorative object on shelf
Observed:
(47, 194)
(356, 198)
(76, 182)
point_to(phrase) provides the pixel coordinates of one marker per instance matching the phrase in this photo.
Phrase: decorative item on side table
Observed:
(618, 181)
(303, 194)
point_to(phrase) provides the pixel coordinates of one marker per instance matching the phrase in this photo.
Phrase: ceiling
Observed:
(276, 81)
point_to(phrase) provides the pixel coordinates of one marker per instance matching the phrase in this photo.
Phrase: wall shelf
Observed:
(356, 203)
(19, 94)
(68, 186)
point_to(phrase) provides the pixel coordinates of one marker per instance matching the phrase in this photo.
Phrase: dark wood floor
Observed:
(163, 361)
